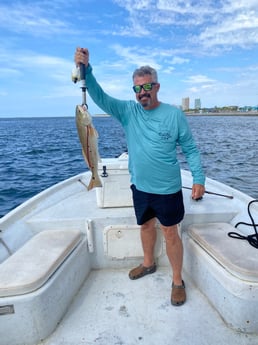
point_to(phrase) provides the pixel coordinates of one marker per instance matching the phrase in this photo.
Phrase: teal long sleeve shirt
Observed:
(152, 137)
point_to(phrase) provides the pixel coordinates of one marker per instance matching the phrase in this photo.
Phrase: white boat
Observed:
(65, 256)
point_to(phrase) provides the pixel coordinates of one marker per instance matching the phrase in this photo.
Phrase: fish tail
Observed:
(94, 182)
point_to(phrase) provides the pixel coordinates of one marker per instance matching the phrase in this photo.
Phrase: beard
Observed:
(145, 100)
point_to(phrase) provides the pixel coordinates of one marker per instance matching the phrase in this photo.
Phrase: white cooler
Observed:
(115, 190)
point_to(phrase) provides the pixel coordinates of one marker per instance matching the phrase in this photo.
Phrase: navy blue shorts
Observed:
(167, 208)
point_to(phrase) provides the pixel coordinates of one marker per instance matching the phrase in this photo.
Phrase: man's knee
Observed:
(171, 233)
(150, 225)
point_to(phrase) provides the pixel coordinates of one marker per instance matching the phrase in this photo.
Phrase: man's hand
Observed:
(81, 56)
(197, 191)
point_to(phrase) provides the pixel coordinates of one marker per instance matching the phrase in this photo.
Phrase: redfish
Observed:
(88, 136)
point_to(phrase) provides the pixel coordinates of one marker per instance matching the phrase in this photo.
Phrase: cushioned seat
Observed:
(32, 265)
(236, 256)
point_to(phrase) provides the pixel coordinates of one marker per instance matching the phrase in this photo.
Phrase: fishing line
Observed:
(213, 193)
(252, 239)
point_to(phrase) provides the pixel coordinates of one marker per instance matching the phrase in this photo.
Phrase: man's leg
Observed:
(148, 238)
(174, 248)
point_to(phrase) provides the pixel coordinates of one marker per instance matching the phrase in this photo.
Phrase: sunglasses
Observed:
(145, 87)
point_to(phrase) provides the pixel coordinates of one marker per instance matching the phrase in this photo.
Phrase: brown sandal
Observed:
(178, 295)
(141, 271)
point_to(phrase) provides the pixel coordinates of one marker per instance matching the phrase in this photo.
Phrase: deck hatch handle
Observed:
(6, 309)
(89, 232)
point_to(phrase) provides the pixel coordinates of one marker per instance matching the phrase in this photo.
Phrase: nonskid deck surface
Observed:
(111, 309)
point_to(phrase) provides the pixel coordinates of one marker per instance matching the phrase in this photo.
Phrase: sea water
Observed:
(36, 153)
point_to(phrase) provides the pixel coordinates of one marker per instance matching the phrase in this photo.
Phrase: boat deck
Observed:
(111, 309)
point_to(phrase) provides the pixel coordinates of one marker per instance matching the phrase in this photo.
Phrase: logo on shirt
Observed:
(165, 136)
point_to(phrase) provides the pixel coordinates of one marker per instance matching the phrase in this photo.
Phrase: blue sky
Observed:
(201, 49)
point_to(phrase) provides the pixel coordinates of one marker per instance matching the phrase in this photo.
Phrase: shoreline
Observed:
(251, 113)
(247, 114)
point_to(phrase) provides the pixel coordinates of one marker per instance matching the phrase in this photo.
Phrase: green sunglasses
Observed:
(145, 87)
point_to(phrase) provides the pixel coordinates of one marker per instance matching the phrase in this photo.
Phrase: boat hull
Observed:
(111, 245)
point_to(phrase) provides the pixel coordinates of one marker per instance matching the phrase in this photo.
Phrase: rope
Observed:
(252, 239)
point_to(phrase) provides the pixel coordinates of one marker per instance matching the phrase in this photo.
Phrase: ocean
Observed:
(36, 153)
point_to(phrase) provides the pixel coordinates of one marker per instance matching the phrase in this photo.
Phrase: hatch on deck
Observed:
(123, 241)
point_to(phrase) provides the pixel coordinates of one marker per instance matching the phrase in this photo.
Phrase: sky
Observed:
(205, 49)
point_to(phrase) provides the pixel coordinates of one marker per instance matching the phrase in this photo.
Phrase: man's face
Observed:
(147, 98)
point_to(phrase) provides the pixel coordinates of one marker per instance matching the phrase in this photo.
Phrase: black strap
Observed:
(252, 239)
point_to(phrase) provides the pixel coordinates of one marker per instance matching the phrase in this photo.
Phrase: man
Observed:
(153, 130)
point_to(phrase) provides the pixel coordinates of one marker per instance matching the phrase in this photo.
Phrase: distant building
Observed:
(185, 103)
(197, 104)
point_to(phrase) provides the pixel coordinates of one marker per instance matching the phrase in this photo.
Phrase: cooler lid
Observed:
(119, 163)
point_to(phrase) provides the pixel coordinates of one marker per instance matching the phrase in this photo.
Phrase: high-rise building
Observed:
(197, 104)
(186, 103)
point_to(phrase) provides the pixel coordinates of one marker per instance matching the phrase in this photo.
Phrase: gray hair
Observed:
(142, 71)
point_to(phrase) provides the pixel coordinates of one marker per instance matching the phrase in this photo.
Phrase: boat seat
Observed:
(32, 265)
(236, 256)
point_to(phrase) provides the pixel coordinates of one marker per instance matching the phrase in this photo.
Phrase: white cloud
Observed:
(203, 48)
(179, 60)
(224, 24)
(33, 18)
(6, 72)
(135, 56)
(197, 79)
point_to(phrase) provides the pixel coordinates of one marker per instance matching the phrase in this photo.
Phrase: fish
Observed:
(88, 137)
